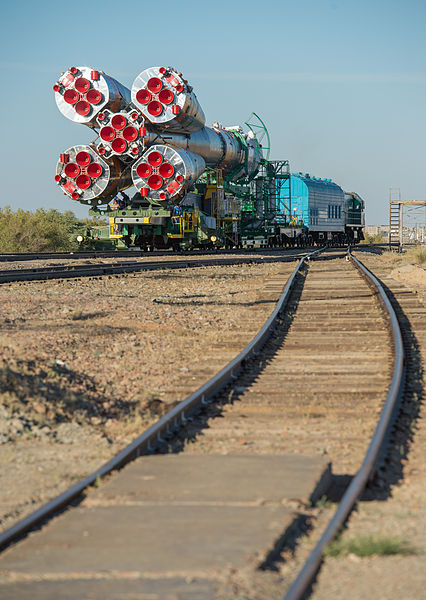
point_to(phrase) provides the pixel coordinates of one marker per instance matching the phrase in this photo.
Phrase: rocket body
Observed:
(153, 136)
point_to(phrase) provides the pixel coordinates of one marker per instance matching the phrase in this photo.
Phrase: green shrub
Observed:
(368, 546)
(39, 231)
(373, 239)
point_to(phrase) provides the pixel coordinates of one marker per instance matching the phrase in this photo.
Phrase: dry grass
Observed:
(416, 255)
(413, 256)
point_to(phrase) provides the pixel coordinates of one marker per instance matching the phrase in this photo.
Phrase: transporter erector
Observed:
(193, 185)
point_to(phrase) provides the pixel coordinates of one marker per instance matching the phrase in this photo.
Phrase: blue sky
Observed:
(340, 84)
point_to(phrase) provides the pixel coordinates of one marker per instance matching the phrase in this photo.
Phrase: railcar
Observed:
(275, 209)
(324, 211)
(298, 209)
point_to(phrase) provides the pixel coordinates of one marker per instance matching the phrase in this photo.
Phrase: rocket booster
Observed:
(81, 93)
(89, 178)
(153, 136)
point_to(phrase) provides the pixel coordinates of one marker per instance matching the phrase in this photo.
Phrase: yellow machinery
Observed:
(185, 223)
(114, 230)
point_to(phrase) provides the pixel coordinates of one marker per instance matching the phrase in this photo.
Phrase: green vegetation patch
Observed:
(41, 230)
(369, 546)
(377, 238)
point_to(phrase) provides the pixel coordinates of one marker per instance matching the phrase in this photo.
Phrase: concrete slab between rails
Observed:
(128, 587)
(167, 517)
(216, 479)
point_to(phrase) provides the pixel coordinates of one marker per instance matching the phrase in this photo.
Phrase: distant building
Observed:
(412, 234)
(382, 230)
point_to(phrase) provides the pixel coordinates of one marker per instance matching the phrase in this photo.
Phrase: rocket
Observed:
(153, 136)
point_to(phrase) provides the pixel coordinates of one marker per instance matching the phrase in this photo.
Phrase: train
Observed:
(194, 186)
(290, 210)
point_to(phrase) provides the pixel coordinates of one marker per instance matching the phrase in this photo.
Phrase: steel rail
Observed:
(98, 270)
(375, 452)
(162, 429)
(93, 254)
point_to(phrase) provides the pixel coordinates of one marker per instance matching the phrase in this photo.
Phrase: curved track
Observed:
(375, 452)
(284, 374)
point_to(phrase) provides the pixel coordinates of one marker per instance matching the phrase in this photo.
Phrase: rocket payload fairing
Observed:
(152, 136)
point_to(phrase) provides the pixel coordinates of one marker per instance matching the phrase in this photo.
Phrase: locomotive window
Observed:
(329, 211)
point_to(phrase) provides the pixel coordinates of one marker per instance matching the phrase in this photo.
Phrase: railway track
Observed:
(134, 266)
(311, 384)
(95, 254)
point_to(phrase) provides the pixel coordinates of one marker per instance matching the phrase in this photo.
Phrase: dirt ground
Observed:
(86, 365)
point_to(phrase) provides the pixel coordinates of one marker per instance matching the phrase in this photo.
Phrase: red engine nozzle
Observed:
(119, 122)
(155, 159)
(143, 170)
(83, 182)
(130, 133)
(94, 170)
(82, 108)
(119, 146)
(155, 108)
(154, 85)
(70, 96)
(166, 170)
(143, 96)
(72, 170)
(83, 158)
(82, 85)
(155, 182)
(93, 96)
(107, 133)
(166, 96)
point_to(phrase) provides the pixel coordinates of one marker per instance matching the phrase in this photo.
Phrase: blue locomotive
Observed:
(325, 212)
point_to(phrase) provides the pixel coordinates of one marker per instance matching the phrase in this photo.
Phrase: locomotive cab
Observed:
(354, 216)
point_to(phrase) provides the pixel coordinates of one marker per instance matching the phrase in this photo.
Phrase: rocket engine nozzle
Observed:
(85, 176)
(163, 172)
